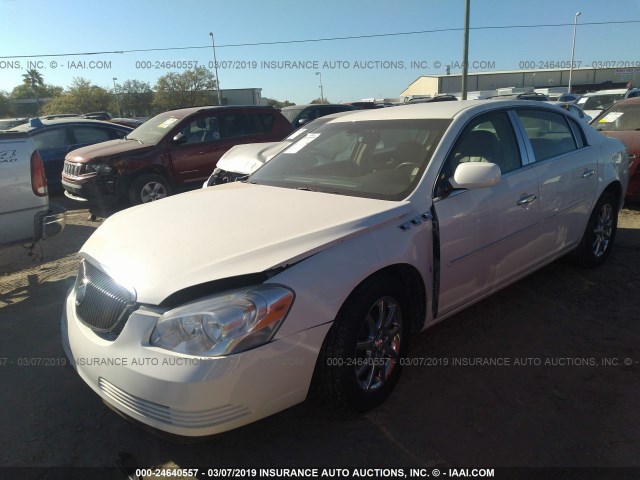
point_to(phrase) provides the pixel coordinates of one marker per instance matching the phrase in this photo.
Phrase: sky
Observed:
(37, 32)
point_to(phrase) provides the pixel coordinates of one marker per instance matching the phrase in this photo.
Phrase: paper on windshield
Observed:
(303, 142)
(168, 122)
(611, 117)
(296, 134)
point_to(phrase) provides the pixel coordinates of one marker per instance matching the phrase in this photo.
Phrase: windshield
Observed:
(152, 131)
(290, 113)
(601, 102)
(619, 118)
(381, 159)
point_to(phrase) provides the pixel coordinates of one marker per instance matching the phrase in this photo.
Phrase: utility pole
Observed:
(465, 50)
(115, 91)
(321, 90)
(573, 49)
(215, 66)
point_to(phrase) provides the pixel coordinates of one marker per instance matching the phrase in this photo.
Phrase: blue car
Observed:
(55, 138)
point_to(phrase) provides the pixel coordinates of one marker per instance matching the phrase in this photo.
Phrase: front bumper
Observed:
(91, 189)
(187, 395)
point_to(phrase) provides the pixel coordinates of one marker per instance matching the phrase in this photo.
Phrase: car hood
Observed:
(631, 140)
(230, 230)
(248, 158)
(107, 149)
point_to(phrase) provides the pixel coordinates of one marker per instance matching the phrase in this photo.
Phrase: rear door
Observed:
(566, 166)
(487, 236)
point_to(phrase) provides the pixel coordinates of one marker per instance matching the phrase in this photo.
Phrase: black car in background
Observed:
(55, 138)
(298, 115)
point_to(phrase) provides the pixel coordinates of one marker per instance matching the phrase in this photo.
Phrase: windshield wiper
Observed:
(126, 137)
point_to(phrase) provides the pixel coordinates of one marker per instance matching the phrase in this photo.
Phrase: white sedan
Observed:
(212, 309)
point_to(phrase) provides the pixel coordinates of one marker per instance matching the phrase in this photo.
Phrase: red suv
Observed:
(173, 151)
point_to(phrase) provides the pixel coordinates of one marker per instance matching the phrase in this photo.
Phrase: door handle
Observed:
(527, 199)
(588, 174)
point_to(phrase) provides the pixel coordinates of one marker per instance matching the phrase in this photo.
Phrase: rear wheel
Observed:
(361, 359)
(598, 238)
(148, 188)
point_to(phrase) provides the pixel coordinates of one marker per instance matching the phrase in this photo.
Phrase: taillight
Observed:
(38, 178)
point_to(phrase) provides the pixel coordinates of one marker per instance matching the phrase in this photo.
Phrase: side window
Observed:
(116, 134)
(266, 120)
(239, 125)
(90, 134)
(203, 129)
(51, 138)
(548, 132)
(488, 138)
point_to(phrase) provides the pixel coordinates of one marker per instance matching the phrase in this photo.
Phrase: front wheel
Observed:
(598, 238)
(148, 188)
(361, 358)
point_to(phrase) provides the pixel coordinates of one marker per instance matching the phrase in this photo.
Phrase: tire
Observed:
(361, 358)
(599, 236)
(148, 188)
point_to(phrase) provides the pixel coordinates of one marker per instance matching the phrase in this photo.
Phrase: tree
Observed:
(33, 80)
(82, 97)
(318, 100)
(135, 98)
(277, 103)
(5, 105)
(189, 89)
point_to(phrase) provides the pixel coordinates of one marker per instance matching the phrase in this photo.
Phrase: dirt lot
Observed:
(571, 401)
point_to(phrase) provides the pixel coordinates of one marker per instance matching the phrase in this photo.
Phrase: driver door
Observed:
(487, 236)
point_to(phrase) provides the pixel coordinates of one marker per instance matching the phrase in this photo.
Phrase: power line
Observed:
(328, 39)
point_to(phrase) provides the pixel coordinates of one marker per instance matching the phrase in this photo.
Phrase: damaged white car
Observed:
(212, 309)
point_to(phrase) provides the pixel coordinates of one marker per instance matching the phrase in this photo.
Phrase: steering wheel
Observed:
(407, 164)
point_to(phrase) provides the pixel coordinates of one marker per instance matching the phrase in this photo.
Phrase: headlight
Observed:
(225, 324)
(99, 168)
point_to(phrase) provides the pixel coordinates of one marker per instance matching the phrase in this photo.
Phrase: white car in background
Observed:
(321, 265)
(574, 109)
(242, 160)
(594, 103)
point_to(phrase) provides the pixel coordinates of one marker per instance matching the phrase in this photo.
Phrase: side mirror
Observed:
(476, 175)
(302, 121)
(179, 138)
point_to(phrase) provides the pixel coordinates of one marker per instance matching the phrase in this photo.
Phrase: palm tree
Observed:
(33, 79)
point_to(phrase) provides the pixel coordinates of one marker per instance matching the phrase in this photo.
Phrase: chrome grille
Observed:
(72, 169)
(101, 303)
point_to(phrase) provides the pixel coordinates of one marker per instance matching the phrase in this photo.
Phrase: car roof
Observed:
(293, 107)
(185, 112)
(439, 110)
(628, 101)
(27, 127)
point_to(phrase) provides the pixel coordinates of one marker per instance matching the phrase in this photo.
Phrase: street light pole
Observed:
(573, 49)
(115, 91)
(465, 50)
(321, 90)
(215, 66)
